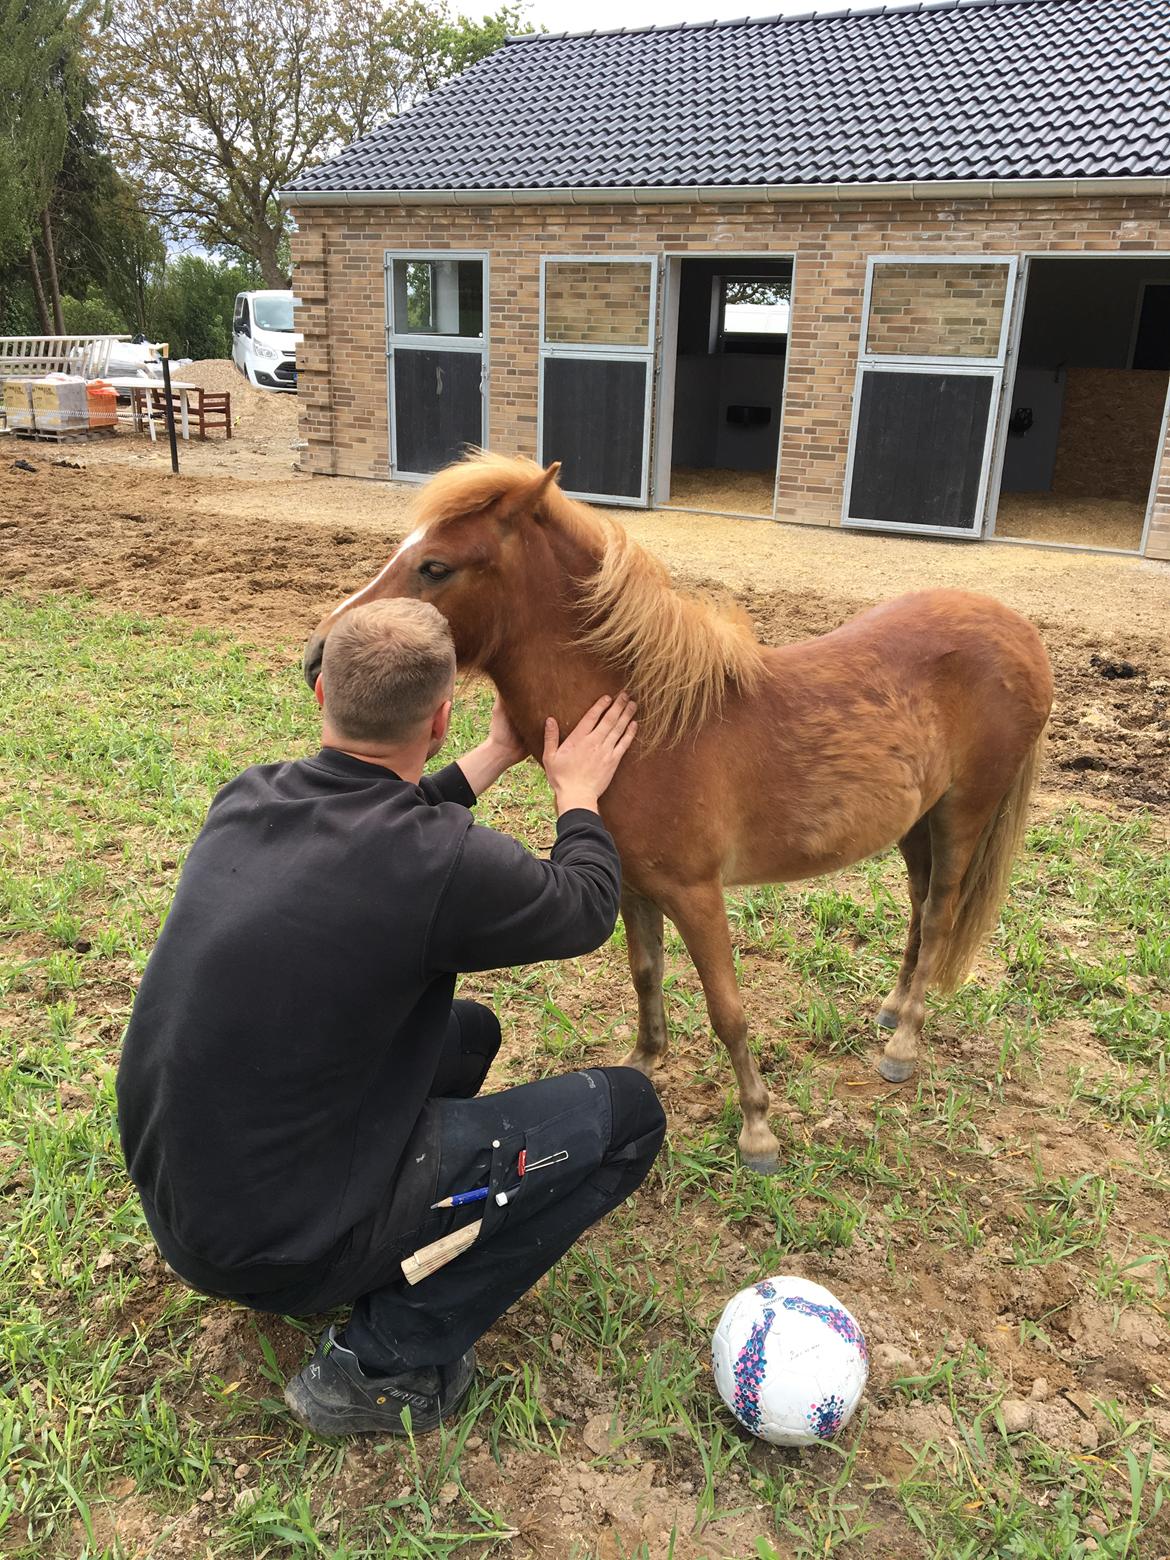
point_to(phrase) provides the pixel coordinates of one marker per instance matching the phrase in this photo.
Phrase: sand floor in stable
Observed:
(1037, 517)
(726, 492)
(1083, 522)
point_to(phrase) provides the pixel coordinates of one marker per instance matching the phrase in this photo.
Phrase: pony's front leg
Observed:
(643, 920)
(700, 914)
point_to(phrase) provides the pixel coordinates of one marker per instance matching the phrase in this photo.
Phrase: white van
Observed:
(263, 340)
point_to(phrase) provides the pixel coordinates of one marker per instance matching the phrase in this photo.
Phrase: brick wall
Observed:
(602, 304)
(343, 379)
(937, 310)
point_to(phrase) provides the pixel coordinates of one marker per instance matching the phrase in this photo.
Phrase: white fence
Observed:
(87, 356)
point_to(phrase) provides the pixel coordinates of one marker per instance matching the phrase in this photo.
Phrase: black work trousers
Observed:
(607, 1124)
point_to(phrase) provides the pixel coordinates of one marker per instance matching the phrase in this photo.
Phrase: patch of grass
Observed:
(121, 1413)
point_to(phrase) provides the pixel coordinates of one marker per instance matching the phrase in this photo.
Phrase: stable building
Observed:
(905, 269)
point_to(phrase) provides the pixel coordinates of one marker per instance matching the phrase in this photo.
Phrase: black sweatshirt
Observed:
(288, 1025)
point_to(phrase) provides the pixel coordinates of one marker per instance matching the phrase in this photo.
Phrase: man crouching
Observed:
(298, 1086)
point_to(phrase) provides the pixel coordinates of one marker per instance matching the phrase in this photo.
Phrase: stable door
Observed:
(928, 387)
(436, 351)
(596, 374)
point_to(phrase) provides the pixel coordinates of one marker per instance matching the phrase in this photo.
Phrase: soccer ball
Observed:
(790, 1362)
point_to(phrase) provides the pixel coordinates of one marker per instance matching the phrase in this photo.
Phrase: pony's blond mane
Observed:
(680, 656)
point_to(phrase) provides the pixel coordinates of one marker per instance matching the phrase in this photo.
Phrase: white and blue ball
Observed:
(790, 1361)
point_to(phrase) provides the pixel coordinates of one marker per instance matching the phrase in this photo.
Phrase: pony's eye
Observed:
(433, 570)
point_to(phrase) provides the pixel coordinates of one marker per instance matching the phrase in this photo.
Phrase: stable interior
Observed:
(728, 384)
(1087, 403)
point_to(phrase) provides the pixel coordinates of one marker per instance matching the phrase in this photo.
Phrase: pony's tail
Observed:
(985, 882)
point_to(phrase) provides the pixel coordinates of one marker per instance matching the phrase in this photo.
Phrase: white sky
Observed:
(572, 16)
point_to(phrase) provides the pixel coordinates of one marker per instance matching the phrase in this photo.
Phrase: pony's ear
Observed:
(528, 499)
(548, 479)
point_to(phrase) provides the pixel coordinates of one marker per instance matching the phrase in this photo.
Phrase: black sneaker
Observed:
(334, 1396)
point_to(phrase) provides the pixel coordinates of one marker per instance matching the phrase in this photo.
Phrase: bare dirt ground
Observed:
(241, 538)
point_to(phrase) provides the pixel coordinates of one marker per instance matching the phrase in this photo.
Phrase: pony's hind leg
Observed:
(915, 848)
(700, 914)
(956, 827)
(643, 921)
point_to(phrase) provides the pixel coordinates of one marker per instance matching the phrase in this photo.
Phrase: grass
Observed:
(1000, 1219)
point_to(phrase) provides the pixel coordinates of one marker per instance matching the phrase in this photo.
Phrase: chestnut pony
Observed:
(916, 723)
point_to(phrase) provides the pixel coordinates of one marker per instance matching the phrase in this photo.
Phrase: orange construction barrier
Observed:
(102, 400)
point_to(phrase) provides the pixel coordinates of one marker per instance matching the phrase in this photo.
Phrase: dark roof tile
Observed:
(965, 89)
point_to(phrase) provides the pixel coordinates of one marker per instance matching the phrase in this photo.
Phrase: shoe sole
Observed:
(331, 1420)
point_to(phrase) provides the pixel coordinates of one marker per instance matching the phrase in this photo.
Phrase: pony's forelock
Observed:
(473, 485)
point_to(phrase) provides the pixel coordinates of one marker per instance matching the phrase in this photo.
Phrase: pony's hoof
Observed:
(887, 1020)
(894, 1070)
(761, 1164)
(646, 1065)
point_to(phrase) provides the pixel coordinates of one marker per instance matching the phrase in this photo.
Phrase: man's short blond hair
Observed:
(387, 666)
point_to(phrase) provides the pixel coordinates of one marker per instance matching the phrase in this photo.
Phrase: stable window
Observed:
(438, 298)
(597, 373)
(753, 313)
(934, 342)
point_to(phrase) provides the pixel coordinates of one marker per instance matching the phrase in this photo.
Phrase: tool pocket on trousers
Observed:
(504, 1181)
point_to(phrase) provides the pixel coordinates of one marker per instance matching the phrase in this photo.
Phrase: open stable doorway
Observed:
(1087, 405)
(725, 346)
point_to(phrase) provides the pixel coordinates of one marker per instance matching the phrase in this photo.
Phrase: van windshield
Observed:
(274, 312)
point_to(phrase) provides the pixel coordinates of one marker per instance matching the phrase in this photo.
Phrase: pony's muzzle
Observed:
(311, 661)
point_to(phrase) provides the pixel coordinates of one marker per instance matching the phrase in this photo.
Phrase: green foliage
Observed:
(458, 42)
(192, 307)
(757, 290)
(40, 92)
(132, 255)
(188, 302)
(91, 315)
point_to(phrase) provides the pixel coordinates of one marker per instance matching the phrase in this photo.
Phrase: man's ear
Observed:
(440, 724)
(319, 691)
(529, 500)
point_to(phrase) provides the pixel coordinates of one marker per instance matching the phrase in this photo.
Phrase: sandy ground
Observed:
(241, 537)
(727, 492)
(1084, 522)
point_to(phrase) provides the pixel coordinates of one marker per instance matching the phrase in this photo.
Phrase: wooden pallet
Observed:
(64, 435)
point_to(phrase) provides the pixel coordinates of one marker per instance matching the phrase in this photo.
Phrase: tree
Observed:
(132, 256)
(218, 107)
(383, 59)
(92, 315)
(41, 92)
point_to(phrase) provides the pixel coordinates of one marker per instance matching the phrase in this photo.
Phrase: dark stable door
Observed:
(438, 407)
(595, 424)
(919, 449)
